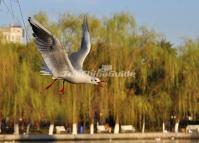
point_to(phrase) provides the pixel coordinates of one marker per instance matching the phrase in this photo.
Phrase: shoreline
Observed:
(121, 136)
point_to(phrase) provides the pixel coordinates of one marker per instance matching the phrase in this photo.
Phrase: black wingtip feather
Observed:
(85, 23)
(29, 18)
(34, 35)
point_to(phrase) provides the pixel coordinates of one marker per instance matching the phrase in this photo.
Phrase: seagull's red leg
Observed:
(51, 84)
(62, 89)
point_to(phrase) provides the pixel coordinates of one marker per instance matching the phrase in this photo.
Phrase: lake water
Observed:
(124, 141)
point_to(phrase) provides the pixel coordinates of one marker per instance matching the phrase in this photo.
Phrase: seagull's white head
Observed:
(95, 80)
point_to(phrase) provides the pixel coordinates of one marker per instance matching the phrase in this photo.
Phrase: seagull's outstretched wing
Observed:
(51, 49)
(77, 58)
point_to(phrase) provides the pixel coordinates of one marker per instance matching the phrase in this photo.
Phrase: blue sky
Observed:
(177, 19)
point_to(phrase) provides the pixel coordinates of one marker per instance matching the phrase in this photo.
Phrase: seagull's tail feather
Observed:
(45, 73)
(45, 70)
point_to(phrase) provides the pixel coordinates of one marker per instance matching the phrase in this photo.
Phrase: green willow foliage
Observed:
(166, 78)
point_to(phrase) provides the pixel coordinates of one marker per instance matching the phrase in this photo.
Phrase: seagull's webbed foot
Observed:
(51, 83)
(62, 89)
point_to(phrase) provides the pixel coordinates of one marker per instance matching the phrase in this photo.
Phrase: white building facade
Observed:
(13, 34)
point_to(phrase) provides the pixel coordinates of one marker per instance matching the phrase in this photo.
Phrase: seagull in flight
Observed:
(58, 63)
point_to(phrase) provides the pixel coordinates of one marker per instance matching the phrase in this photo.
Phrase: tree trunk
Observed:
(163, 127)
(143, 126)
(117, 128)
(91, 128)
(51, 128)
(1, 117)
(37, 124)
(74, 129)
(16, 128)
(28, 129)
(176, 126)
(0, 126)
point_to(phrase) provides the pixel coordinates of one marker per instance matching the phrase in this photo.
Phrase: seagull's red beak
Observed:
(100, 83)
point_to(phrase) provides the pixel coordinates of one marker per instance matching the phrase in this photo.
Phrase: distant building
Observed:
(12, 34)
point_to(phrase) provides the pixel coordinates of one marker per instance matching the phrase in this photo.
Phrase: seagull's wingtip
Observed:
(29, 18)
(85, 23)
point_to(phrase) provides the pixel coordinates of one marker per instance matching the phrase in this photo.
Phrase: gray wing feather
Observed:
(51, 49)
(77, 58)
(45, 70)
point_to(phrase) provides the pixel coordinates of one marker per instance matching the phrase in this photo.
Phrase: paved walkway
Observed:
(133, 136)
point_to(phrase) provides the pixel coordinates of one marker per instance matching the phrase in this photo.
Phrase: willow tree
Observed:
(187, 95)
(163, 109)
(8, 58)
